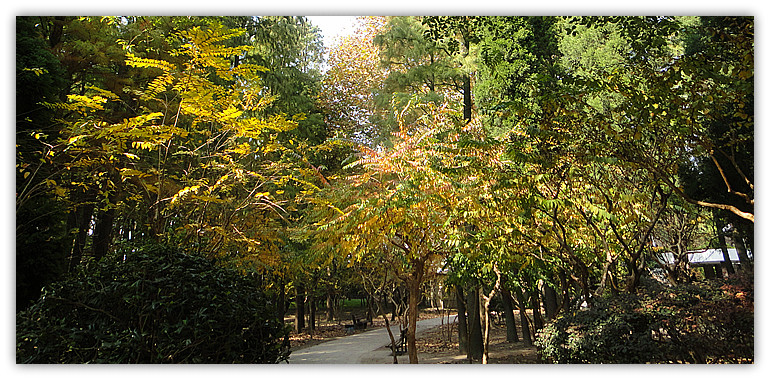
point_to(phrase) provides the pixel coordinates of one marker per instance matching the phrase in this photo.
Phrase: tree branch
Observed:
(727, 182)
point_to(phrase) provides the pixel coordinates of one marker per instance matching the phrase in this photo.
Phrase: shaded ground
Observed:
(439, 345)
(435, 346)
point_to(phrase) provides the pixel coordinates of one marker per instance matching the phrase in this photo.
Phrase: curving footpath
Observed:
(364, 348)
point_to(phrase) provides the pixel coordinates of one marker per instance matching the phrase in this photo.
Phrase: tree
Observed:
(457, 37)
(41, 229)
(418, 66)
(680, 99)
(517, 62)
(346, 96)
(395, 205)
(379, 283)
(679, 232)
(291, 50)
(193, 165)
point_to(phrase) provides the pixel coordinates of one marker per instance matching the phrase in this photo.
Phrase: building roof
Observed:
(705, 256)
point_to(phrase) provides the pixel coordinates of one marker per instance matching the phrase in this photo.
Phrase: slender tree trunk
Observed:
(336, 305)
(740, 248)
(719, 224)
(329, 307)
(414, 312)
(510, 318)
(105, 221)
(299, 301)
(475, 339)
(281, 304)
(395, 304)
(550, 302)
(467, 99)
(523, 319)
(485, 307)
(537, 315)
(636, 264)
(565, 287)
(312, 300)
(103, 233)
(432, 295)
(387, 327)
(369, 309)
(82, 221)
(462, 323)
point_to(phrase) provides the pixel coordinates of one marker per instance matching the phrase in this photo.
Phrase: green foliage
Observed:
(517, 70)
(41, 235)
(291, 50)
(153, 305)
(41, 247)
(710, 322)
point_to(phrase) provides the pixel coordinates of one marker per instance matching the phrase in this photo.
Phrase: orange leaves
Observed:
(398, 200)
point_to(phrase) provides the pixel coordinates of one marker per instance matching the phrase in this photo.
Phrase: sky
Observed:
(333, 27)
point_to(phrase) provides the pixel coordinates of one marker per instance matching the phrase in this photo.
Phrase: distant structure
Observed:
(709, 259)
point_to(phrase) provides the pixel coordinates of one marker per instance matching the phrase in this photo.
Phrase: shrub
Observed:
(154, 306)
(705, 322)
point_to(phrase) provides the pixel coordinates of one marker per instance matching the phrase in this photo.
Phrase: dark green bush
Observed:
(154, 306)
(706, 322)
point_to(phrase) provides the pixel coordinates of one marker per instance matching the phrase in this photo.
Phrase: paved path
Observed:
(366, 347)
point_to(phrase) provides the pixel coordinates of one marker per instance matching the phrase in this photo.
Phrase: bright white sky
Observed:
(333, 27)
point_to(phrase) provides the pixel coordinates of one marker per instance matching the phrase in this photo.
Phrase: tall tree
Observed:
(42, 237)
(193, 164)
(354, 71)
(397, 205)
(291, 50)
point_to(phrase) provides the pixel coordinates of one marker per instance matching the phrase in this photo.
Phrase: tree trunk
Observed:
(281, 304)
(82, 221)
(510, 319)
(414, 312)
(369, 309)
(467, 99)
(336, 305)
(537, 316)
(396, 311)
(475, 339)
(299, 301)
(740, 248)
(719, 224)
(635, 266)
(485, 307)
(462, 323)
(312, 300)
(550, 302)
(525, 330)
(387, 327)
(103, 233)
(564, 285)
(105, 220)
(485, 311)
(329, 307)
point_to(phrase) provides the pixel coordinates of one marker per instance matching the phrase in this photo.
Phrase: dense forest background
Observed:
(166, 166)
